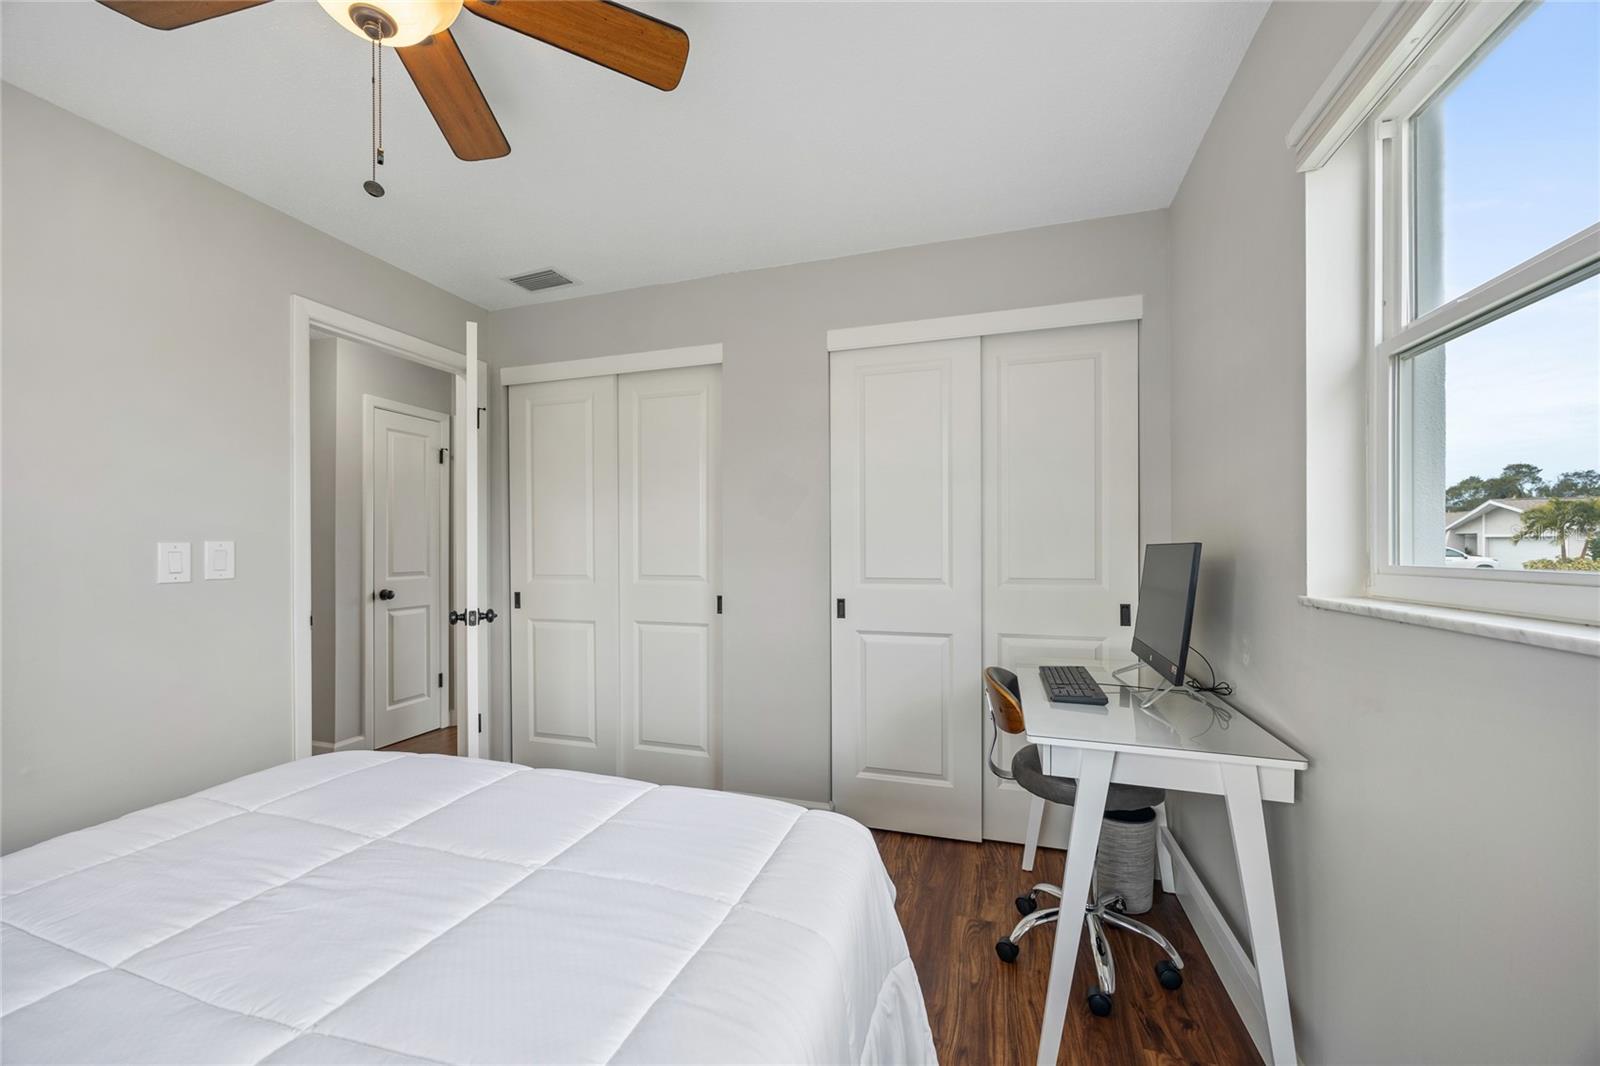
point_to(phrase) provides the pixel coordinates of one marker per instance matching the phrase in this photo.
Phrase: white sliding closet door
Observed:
(907, 587)
(564, 636)
(1061, 514)
(668, 422)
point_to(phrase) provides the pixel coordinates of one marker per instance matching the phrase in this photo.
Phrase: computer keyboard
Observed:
(1070, 684)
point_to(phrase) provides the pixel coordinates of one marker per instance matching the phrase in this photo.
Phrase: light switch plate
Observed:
(219, 560)
(172, 562)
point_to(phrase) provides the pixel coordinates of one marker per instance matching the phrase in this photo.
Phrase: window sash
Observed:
(1398, 335)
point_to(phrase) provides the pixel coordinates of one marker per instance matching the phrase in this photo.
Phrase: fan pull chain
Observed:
(372, 186)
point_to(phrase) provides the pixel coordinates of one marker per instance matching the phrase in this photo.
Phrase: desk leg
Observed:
(1088, 808)
(1242, 786)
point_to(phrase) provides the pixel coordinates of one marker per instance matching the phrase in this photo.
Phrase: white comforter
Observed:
(366, 907)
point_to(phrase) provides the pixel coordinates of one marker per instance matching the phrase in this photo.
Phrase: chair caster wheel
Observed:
(1007, 951)
(1170, 976)
(1027, 904)
(1099, 1003)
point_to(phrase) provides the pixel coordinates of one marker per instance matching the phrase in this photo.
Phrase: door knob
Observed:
(386, 594)
(489, 615)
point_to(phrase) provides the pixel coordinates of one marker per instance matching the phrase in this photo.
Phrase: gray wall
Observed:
(1437, 878)
(773, 326)
(324, 445)
(356, 370)
(146, 369)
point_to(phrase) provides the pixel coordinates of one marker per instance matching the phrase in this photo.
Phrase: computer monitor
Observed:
(1166, 608)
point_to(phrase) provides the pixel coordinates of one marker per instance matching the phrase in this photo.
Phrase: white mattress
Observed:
(367, 907)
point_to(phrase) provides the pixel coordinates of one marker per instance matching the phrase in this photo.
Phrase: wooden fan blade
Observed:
(175, 14)
(452, 94)
(616, 37)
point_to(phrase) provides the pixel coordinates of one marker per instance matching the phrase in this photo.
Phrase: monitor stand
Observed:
(1160, 690)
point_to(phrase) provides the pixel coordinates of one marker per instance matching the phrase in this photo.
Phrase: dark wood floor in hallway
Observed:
(438, 742)
(955, 901)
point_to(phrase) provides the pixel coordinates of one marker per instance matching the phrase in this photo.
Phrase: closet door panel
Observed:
(668, 434)
(1061, 515)
(907, 568)
(564, 636)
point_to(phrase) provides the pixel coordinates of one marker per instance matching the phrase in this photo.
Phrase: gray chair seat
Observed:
(1025, 767)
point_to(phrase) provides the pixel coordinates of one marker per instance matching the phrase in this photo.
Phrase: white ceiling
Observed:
(801, 131)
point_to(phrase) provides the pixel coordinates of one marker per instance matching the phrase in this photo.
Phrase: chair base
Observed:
(1103, 911)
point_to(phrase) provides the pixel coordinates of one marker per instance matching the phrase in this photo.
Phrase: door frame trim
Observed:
(989, 323)
(304, 315)
(370, 405)
(605, 365)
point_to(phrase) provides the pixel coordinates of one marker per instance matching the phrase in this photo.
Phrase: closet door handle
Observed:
(839, 608)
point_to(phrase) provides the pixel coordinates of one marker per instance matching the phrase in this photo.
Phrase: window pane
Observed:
(1509, 413)
(1507, 155)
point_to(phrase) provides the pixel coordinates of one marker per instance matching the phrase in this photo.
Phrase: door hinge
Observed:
(311, 619)
(839, 608)
(441, 455)
(441, 680)
(480, 723)
(719, 604)
(1127, 614)
(480, 416)
(516, 600)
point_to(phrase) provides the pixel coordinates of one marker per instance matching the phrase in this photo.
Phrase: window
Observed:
(1486, 375)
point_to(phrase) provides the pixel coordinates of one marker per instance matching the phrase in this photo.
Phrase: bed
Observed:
(379, 907)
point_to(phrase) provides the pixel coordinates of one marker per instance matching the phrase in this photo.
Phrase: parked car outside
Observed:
(1457, 557)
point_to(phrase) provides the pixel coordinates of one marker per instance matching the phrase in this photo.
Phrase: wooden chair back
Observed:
(1005, 699)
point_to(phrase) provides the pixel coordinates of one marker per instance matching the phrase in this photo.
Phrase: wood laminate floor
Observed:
(438, 742)
(955, 901)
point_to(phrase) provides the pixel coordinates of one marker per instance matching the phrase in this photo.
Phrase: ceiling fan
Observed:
(616, 37)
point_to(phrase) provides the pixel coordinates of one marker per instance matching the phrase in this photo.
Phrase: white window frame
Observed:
(1397, 333)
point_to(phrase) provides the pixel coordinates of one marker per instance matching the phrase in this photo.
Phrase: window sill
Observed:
(1558, 636)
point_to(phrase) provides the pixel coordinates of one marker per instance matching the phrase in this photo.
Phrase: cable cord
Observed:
(1221, 688)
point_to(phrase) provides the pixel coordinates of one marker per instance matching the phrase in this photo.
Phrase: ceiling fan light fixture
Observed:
(397, 23)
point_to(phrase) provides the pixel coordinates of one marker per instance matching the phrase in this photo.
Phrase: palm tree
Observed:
(1562, 519)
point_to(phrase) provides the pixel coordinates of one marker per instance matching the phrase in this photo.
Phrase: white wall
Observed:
(773, 326)
(357, 370)
(1438, 879)
(146, 370)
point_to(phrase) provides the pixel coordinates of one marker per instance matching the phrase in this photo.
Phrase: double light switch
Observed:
(172, 561)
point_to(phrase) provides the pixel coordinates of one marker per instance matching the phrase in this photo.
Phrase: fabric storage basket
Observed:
(1126, 864)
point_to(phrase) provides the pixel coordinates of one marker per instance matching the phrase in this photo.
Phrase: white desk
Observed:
(1182, 743)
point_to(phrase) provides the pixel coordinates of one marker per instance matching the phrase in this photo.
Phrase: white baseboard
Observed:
(322, 747)
(816, 805)
(1228, 956)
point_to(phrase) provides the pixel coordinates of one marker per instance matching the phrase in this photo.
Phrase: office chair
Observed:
(1003, 696)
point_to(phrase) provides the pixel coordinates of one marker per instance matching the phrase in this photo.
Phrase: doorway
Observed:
(468, 418)
(381, 536)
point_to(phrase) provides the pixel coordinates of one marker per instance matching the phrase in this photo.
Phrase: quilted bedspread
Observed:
(378, 907)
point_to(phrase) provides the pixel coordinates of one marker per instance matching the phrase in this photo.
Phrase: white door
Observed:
(907, 587)
(564, 638)
(668, 424)
(409, 531)
(1061, 515)
(470, 407)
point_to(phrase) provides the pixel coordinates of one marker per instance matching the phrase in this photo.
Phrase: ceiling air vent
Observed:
(539, 280)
